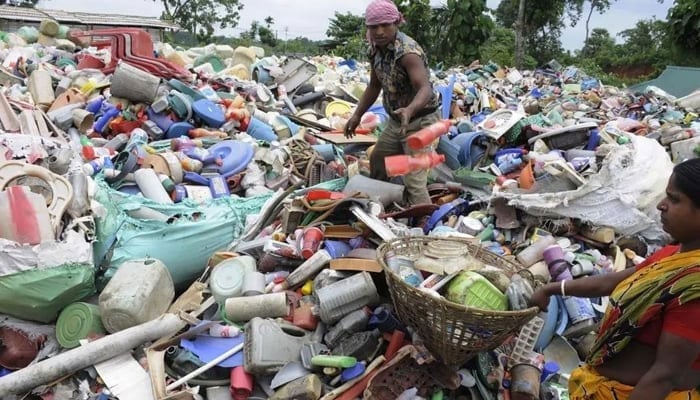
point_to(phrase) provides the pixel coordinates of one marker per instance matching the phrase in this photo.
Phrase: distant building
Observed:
(13, 18)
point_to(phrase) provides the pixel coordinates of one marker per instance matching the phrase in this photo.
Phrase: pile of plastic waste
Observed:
(194, 223)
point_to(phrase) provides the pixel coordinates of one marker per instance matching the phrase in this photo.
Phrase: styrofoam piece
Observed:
(497, 124)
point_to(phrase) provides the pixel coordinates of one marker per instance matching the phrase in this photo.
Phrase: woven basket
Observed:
(452, 332)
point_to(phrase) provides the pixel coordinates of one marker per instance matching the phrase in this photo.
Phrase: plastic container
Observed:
(308, 269)
(273, 305)
(403, 164)
(311, 240)
(228, 276)
(354, 322)
(270, 346)
(140, 291)
(534, 252)
(77, 322)
(149, 184)
(428, 135)
(343, 297)
(473, 290)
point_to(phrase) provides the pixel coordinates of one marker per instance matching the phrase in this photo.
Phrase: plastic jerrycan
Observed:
(140, 291)
(269, 346)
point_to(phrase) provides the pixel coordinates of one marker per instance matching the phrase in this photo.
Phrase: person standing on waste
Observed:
(648, 345)
(399, 69)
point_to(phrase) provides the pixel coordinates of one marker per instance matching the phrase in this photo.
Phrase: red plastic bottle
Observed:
(426, 136)
(402, 164)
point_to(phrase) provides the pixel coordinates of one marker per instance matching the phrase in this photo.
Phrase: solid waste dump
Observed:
(194, 224)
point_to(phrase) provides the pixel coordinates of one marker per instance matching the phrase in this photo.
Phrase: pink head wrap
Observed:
(382, 12)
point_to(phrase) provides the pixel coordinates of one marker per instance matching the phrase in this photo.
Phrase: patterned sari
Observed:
(640, 298)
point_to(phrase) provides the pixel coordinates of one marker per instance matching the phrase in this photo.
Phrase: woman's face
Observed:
(679, 215)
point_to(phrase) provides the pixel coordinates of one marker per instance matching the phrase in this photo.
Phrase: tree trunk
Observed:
(520, 36)
(588, 22)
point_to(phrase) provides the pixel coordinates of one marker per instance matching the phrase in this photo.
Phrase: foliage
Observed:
(202, 17)
(500, 48)
(684, 25)
(344, 27)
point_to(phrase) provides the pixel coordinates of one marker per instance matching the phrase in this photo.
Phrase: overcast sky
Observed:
(310, 17)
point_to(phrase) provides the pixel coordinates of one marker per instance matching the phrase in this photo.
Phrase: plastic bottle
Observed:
(354, 322)
(308, 269)
(117, 142)
(137, 138)
(426, 136)
(343, 297)
(102, 122)
(80, 203)
(403, 164)
(151, 187)
(534, 252)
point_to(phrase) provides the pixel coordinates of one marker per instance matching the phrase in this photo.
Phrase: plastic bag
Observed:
(622, 195)
(40, 294)
(183, 243)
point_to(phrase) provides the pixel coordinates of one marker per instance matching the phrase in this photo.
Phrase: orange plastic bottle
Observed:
(426, 136)
(403, 164)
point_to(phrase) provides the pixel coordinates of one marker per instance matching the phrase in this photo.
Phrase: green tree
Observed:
(462, 28)
(601, 46)
(202, 17)
(684, 25)
(344, 27)
(500, 48)
(267, 37)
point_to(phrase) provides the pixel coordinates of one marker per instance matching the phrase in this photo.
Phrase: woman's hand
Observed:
(541, 297)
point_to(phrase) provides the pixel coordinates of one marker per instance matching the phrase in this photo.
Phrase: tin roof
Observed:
(677, 81)
(38, 14)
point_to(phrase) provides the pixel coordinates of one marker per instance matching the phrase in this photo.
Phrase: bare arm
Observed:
(592, 286)
(674, 356)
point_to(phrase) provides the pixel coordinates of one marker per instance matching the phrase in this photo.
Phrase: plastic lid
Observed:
(353, 372)
(76, 322)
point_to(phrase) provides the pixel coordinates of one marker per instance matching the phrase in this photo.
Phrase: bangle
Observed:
(563, 288)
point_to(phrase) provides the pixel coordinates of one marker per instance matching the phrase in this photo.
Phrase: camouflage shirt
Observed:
(397, 89)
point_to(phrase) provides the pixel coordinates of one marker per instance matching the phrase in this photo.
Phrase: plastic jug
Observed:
(140, 291)
(343, 297)
(269, 346)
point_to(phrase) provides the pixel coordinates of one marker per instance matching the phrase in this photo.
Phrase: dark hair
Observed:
(687, 179)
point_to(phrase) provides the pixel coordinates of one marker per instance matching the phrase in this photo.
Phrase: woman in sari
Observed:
(648, 345)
